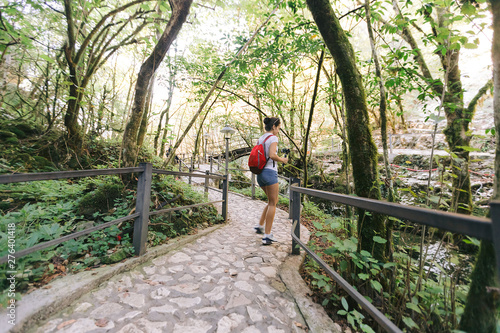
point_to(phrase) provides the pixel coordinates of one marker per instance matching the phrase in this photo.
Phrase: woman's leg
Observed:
(264, 212)
(272, 197)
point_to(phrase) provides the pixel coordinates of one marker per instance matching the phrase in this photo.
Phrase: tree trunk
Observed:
(180, 11)
(383, 131)
(311, 112)
(364, 155)
(480, 314)
(214, 86)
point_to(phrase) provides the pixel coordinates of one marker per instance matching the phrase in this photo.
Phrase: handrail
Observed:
(65, 238)
(141, 215)
(469, 225)
(188, 174)
(478, 227)
(28, 177)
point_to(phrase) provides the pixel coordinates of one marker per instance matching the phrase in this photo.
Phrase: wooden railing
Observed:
(143, 199)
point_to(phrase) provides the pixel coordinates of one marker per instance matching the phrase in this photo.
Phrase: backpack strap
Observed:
(263, 144)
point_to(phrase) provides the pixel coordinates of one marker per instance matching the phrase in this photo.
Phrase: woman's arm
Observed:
(274, 156)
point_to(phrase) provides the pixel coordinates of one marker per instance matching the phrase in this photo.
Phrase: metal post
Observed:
(206, 183)
(180, 165)
(189, 178)
(495, 226)
(211, 163)
(225, 184)
(295, 214)
(142, 207)
(253, 186)
(224, 198)
(227, 159)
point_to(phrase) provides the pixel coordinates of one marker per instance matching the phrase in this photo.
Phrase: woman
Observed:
(268, 179)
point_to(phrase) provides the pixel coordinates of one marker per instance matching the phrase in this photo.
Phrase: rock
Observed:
(133, 299)
(160, 293)
(237, 299)
(167, 308)
(83, 307)
(179, 257)
(106, 310)
(130, 328)
(186, 288)
(193, 326)
(228, 323)
(255, 315)
(216, 294)
(184, 302)
(268, 271)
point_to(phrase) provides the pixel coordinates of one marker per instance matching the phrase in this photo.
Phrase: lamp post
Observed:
(227, 131)
(206, 136)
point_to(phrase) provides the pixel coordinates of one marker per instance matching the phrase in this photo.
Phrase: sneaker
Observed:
(259, 229)
(268, 239)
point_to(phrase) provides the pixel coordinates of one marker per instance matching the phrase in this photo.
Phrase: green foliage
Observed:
(436, 306)
(45, 210)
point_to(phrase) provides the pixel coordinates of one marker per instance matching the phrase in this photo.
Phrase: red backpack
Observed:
(257, 160)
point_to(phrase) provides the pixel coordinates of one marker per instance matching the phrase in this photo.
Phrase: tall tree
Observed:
(180, 11)
(481, 308)
(87, 48)
(363, 150)
(440, 17)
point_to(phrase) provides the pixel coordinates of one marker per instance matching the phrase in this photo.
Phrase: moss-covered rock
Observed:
(115, 257)
(101, 199)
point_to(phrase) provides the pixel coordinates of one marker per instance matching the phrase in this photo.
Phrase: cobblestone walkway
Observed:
(225, 281)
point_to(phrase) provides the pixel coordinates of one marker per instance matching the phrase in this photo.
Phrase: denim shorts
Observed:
(267, 177)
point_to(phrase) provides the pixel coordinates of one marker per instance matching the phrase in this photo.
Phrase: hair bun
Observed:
(267, 120)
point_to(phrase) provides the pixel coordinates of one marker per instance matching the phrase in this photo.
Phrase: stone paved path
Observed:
(226, 281)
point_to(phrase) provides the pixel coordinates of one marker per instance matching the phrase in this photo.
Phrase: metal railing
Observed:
(143, 199)
(482, 228)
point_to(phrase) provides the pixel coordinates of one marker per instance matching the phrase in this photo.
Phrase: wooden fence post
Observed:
(206, 183)
(142, 207)
(295, 214)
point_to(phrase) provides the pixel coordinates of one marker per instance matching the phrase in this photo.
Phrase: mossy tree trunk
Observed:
(458, 116)
(383, 129)
(85, 56)
(363, 151)
(481, 308)
(180, 11)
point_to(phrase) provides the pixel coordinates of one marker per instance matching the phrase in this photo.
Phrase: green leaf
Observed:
(413, 307)
(409, 322)
(343, 266)
(342, 312)
(363, 276)
(318, 225)
(48, 59)
(376, 285)
(344, 304)
(468, 9)
(380, 240)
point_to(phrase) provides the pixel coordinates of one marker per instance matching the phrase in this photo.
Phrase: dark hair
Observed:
(270, 122)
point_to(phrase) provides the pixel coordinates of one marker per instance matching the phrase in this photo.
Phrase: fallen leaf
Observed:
(66, 323)
(101, 322)
(47, 287)
(298, 324)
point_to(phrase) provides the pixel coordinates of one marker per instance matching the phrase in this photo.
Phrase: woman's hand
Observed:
(284, 160)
